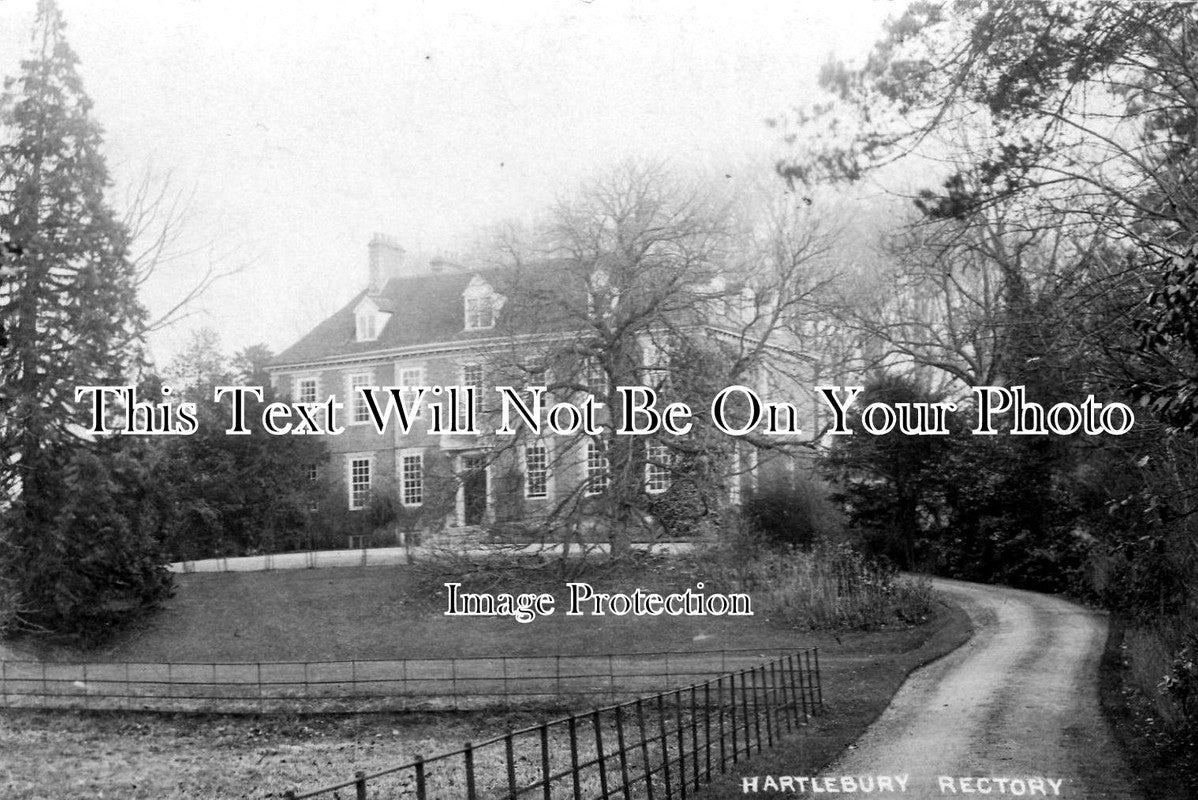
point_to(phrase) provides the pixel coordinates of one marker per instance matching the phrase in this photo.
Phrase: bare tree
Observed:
(644, 279)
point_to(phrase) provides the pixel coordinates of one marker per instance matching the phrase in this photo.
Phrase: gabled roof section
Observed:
(425, 310)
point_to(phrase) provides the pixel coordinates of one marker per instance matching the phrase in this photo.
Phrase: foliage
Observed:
(70, 310)
(1057, 159)
(831, 586)
(682, 509)
(1168, 382)
(96, 563)
(235, 495)
(791, 513)
(80, 557)
(889, 484)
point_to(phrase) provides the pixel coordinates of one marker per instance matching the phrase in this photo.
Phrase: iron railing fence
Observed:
(458, 683)
(659, 747)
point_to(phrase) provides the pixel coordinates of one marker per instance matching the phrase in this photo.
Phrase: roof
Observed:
(428, 310)
(425, 310)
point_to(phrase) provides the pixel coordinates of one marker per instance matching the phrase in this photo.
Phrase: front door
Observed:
(474, 489)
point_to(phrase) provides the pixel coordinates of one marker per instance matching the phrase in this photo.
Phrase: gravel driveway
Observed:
(1013, 712)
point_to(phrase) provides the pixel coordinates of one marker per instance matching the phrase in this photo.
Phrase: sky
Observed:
(292, 131)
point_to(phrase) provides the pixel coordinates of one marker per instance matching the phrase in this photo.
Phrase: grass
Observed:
(129, 755)
(396, 612)
(388, 612)
(1145, 722)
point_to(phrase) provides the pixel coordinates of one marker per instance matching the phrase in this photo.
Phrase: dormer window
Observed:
(369, 320)
(482, 305)
(480, 312)
(602, 297)
(366, 331)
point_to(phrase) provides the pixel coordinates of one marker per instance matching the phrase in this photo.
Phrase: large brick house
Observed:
(436, 323)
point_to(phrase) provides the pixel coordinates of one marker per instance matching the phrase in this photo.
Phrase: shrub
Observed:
(681, 510)
(793, 513)
(830, 586)
(85, 559)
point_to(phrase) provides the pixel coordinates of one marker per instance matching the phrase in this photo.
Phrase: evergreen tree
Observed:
(70, 312)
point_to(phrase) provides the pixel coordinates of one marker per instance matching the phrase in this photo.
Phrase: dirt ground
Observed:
(1019, 701)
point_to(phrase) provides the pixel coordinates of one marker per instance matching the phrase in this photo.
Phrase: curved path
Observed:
(1013, 712)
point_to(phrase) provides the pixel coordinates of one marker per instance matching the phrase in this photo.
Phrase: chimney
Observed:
(386, 261)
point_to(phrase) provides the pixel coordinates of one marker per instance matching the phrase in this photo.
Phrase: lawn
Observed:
(391, 612)
(320, 614)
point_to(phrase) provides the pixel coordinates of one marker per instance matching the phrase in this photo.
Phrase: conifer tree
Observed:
(69, 309)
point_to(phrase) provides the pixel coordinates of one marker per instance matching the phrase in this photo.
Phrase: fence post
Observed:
(732, 697)
(803, 689)
(421, 793)
(769, 707)
(260, 706)
(360, 784)
(545, 760)
(511, 765)
(453, 676)
(744, 711)
(611, 677)
(598, 722)
(775, 707)
(640, 721)
(810, 680)
(756, 709)
(719, 704)
(788, 692)
(4, 680)
(87, 692)
(506, 691)
(572, 724)
(623, 753)
(819, 684)
(681, 744)
(558, 673)
(694, 737)
(665, 743)
(707, 727)
(469, 755)
(798, 693)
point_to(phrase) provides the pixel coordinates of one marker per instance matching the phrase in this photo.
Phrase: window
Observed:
(410, 378)
(480, 312)
(472, 375)
(657, 473)
(536, 470)
(366, 326)
(653, 355)
(602, 297)
(312, 472)
(359, 412)
(411, 478)
(305, 390)
(359, 481)
(594, 378)
(597, 477)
